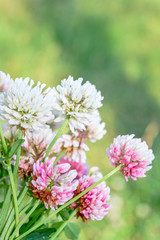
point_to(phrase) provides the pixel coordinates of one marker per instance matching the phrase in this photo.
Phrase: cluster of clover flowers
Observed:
(43, 143)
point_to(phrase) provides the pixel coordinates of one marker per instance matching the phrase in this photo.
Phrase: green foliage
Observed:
(72, 231)
(2, 159)
(41, 234)
(5, 208)
(65, 213)
(15, 147)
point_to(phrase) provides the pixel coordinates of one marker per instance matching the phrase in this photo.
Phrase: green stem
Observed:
(59, 133)
(10, 219)
(11, 214)
(14, 194)
(47, 219)
(13, 222)
(59, 156)
(60, 229)
(23, 220)
(22, 194)
(37, 216)
(5, 208)
(3, 140)
(17, 157)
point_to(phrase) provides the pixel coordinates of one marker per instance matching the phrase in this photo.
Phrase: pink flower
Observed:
(132, 154)
(54, 185)
(81, 168)
(92, 205)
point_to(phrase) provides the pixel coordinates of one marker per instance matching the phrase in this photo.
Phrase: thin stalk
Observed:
(11, 214)
(23, 220)
(59, 133)
(14, 194)
(59, 156)
(22, 194)
(60, 229)
(3, 140)
(13, 223)
(17, 157)
(5, 208)
(47, 219)
(34, 219)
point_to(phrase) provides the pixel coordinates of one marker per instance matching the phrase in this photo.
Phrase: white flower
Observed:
(75, 148)
(5, 81)
(95, 130)
(77, 101)
(26, 104)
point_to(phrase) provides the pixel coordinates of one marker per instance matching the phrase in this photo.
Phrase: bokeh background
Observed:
(114, 44)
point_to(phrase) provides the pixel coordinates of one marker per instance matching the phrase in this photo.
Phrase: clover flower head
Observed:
(37, 142)
(77, 102)
(75, 148)
(92, 205)
(5, 81)
(133, 155)
(26, 104)
(54, 185)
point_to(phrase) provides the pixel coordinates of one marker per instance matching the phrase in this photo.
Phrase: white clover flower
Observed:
(6, 81)
(77, 101)
(26, 104)
(95, 130)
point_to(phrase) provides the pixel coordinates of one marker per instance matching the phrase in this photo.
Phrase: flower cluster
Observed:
(132, 154)
(58, 176)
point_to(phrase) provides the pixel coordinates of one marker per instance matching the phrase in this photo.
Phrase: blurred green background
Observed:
(116, 46)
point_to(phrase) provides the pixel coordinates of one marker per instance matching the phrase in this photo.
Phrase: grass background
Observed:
(116, 46)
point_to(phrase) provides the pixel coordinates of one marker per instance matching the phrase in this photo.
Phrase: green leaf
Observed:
(56, 224)
(72, 231)
(41, 234)
(36, 236)
(65, 213)
(15, 147)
